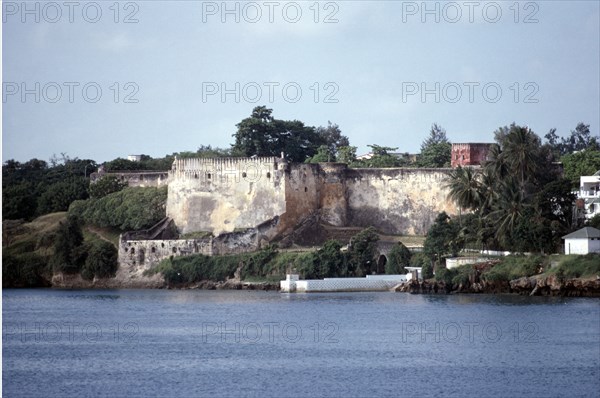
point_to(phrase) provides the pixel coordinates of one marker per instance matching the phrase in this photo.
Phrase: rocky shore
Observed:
(539, 285)
(65, 281)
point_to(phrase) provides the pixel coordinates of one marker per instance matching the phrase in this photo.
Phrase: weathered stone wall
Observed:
(141, 255)
(225, 195)
(136, 178)
(334, 194)
(220, 195)
(397, 201)
(302, 195)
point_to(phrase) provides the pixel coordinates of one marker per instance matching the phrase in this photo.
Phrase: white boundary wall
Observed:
(371, 283)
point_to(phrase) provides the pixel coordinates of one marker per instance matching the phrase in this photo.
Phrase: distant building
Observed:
(469, 154)
(588, 197)
(134, 158)
(583, 241)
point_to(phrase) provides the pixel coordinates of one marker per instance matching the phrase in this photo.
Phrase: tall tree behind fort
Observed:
(436, 149)
(263, 135)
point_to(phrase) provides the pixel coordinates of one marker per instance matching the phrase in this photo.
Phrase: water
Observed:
(140, 343)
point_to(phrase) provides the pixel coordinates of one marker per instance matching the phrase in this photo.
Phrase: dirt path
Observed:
(98, 233)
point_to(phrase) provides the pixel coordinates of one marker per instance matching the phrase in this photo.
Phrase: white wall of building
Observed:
(582, 246)
(594, 246)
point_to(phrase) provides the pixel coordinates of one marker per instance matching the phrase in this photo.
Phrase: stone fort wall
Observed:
(225, 195)
(222, 195)
(135, 178)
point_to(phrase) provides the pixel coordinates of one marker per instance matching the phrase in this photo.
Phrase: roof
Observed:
(586, 232)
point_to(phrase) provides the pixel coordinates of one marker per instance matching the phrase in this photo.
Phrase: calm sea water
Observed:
(140, 343)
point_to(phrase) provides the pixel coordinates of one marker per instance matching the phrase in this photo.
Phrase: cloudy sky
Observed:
(102, 80)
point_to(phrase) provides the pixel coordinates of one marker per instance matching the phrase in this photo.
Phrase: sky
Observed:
(105, 79)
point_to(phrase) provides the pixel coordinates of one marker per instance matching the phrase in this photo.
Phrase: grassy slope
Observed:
(32, 237)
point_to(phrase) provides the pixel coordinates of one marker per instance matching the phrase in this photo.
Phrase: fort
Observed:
(233, 205)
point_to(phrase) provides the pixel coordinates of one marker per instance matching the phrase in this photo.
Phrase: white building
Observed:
(134, 158)
(583, 241)
(589, 194)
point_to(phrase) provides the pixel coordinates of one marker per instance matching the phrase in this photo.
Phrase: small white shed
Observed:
(583, 241)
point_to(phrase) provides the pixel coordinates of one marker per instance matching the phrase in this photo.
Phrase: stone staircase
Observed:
(341, 234)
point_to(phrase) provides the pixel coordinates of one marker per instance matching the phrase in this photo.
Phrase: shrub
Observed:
(398, 259)
(446, 275)
(362, 251)
(579, 266)
(26, 270)
(514, 267)
(329, 261)
(66, 257)
(130, 209)
(101, 261)
(105, 186)
(463, 274)
(427, 271)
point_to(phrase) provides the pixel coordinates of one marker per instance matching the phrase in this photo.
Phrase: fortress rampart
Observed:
(222, 195)
(244, 203)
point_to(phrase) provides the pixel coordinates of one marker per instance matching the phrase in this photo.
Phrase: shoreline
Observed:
(539, 285)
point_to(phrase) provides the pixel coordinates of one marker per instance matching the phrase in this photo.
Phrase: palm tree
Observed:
(520, 151)
(464, 187)
(507, 211)
(495, 164)
(488, 191)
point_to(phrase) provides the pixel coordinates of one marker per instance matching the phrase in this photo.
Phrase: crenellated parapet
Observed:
(215, 170)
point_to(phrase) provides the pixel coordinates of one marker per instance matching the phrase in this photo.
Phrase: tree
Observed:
(507, 211)
(106, 185)
(464, 188)
(442, 238)
(322, 156)
(580, 139)
(427, 271)
(263, 135)
(206, 151)
(333, 139)
(436, 150)
(594, 221)
(68, 239)
(329, 260)
(361, 251)
(520, 150)
(381, 157)
(101, 262)
(398, 259)
(19, 201)
(437, 135)
(583, 163)
(58, 196)
(346, 154)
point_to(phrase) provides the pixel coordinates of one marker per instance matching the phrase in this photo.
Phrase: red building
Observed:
(469, 154)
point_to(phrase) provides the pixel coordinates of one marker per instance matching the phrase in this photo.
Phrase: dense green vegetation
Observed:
(128, 209)
(50, 244)
(263, 135)
(578, 266)
(398, 258)
(514, 267)
(35, 187)
(518, 200)
(27, 249)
